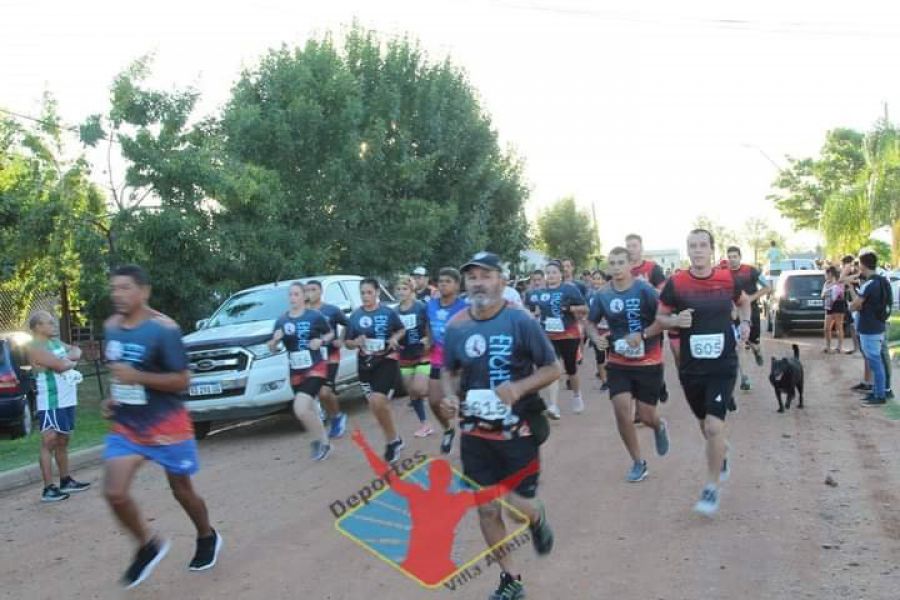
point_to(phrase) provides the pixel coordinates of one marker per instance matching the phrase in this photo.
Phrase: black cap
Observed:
(485, 260)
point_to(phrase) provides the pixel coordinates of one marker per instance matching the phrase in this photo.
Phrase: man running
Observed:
(568, 276)
(375, 332)
(439, 311)
(149, 370)
(497, 358)
(560, 306)
(700, 302)
(635, 356)
(328, 394)
(653, 274)
(749, 280)
(420, 279)
(53, 367)
(304, 333)
(536, 281)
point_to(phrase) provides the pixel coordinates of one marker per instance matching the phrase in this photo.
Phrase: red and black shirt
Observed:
(708, 346)
(746, 279)
(650, 272)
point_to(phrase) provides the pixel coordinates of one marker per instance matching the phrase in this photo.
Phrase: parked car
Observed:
(797, 302)
(234, 375)
(16, 395)
(894, 278)
(773, 272)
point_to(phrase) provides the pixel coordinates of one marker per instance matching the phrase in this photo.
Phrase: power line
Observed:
(868, 30)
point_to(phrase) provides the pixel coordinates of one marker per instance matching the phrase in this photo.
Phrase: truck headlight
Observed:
(263, 351)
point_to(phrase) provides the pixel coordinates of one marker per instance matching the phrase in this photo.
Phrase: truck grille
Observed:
(218, 360)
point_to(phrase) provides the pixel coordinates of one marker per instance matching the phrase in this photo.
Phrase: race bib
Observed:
(134, 395)
(409, 321)
(708, 346)
(622, 348)
(300, 360)
(485, 405)
(374, 345)
(554, 325)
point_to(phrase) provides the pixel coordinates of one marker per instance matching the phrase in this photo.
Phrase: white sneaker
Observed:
(553, 412)
(577, 404)
(708, 504)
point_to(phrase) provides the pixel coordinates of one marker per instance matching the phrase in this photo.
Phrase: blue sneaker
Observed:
(708, 504)
(338, 426)
(638, 472)
(320, 450)
(661, 436)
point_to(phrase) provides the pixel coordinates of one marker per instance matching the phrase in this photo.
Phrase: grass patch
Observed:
(893, 331)
(892, 411)
(90, 428)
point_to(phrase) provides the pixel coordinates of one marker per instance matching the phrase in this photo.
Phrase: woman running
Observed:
(598, 282)
(415, 366)
(375, 332)
(304, 332)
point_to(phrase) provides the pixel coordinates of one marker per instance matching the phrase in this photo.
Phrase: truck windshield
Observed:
(255, 305)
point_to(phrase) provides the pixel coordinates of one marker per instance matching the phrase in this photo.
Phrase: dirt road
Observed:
(782, 533)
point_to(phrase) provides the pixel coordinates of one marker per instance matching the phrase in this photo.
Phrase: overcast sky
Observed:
(654, 113)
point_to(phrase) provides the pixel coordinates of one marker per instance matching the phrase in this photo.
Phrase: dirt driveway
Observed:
(782, 533)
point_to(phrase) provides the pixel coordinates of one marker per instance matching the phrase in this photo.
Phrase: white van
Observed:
(233, 373)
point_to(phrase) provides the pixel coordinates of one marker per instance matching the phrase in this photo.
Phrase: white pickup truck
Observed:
(233, 373)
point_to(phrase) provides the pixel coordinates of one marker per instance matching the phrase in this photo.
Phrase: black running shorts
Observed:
(378, 377)
(488, 462)
(307, 385)
(643, 383)
(709, 394)
(567, 350)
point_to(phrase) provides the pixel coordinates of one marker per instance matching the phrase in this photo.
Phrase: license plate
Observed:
(814, 303)
(205, 389)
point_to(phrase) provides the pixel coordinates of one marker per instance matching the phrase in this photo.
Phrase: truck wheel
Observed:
(24, 426)
(201, 429)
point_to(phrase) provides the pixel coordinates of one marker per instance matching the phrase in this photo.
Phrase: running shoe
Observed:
(447, 440)
(862, 387)
(69, 485)
(757, 354)
(553, 412)
(872, 400)
(424, 431)
(207, 552)
(664, 393)
(511, 588)
(392, 450)
(661, 437)
(708, 504)
(541, 534)
(145, 560)
(577, 404)
(52, 493)
(338, 426)
(320, 450)
(638, 472)
(725, 473)
(745, 383)
(604, 387)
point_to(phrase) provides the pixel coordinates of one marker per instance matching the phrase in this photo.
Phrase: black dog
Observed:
(787, 376)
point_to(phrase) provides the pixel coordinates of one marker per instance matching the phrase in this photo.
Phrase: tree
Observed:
(805, 186)
(758, 236)
(882, 186)
(724, 236)
(565, 231)
(52, 216)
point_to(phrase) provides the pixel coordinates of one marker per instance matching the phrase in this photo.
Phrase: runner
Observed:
(599, 282)
(560, 306)
(440, 310)
(149, 370)
(703, 298)
(497, 359)
(635, 356)
(328, 394)
(536, 281)
(749, 280)
(375, 332)
(414, 365)
(53, 367)
(305, 333)
(652, 273)
(420, 278)
(568, 276)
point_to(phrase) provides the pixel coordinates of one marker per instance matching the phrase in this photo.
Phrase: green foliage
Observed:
(363, 158)
(51, 239)
(565, 231)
